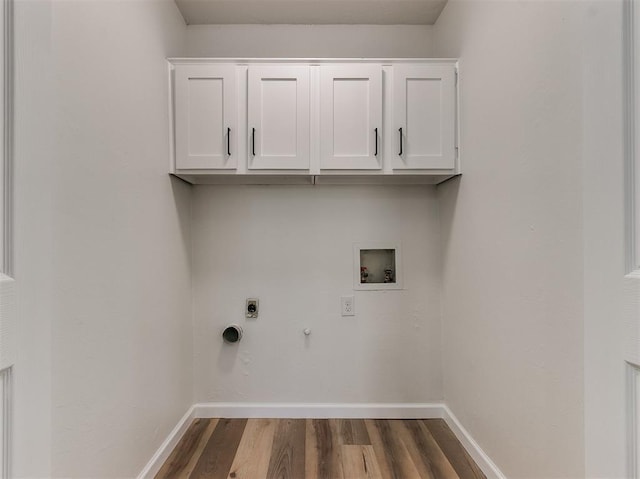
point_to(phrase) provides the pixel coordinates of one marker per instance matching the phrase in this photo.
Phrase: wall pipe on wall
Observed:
(232, 334)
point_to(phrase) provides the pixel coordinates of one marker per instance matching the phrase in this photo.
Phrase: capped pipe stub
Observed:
(232, 334)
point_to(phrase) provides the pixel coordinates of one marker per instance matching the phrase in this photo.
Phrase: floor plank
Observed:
(424, 450)
(392, 455)
(459, 458)
(353, 432)
(217, 456)
(186, 473)
(311, 451)
(324, 461)
(335, 452)
(359, 431)
(184, 451)
(345, 431)
(287, 454)
(254, 452)
(360, 462)
(384, 465)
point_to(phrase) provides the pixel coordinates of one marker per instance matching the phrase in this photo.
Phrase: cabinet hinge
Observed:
(456, 71)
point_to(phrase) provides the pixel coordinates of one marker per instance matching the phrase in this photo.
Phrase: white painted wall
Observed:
(103, 241)
(292, 247)
(310, 41)
(513, 234)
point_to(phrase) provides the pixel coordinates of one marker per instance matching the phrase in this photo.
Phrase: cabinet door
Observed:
(278, 109)
(424, 105)
(350, 116)
(206, 117)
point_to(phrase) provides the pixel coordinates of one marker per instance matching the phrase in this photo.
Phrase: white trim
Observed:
(475, 451)
(7, 134)
(167, 446)
(7, 284)
(635, 274)
(172, 112)
(633, 376)
(631, 249)
(320, 411)
(314, 126)
(8, 325)
(6, 410)
(458, 167)
(316, 61)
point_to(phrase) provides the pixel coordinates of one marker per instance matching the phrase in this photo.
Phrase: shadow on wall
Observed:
(182, 201)
(447, 200)
(227, 357)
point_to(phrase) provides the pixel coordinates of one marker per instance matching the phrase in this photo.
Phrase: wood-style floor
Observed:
(319, 449)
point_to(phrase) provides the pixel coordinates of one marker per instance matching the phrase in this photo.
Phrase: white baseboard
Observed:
(321, 411)
(167, 446)
(483, 461)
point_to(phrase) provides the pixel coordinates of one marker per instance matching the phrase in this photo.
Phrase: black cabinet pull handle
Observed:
(376, 133)
(228, 141)
(400, 130)
(253, 141)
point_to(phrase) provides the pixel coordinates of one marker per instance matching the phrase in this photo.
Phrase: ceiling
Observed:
(312, 12)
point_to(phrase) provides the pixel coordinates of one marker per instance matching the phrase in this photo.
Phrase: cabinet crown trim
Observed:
(312, 61)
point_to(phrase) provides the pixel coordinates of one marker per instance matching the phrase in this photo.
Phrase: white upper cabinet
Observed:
(305, 121)
(206, 127)
(424, 117)
(350, 117)
(278, 117)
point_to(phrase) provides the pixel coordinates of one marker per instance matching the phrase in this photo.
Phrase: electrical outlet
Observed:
(348, 306)
(251, 308)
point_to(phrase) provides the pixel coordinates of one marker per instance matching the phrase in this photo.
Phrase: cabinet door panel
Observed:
(351, 116)
(279, 117)
(424, 107)
(206, 124)
(351, 135)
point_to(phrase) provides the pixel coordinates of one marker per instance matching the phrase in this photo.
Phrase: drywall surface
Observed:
(34, 247)
(512, 233)
(309, 41)
(292, 248)
(103, 238)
